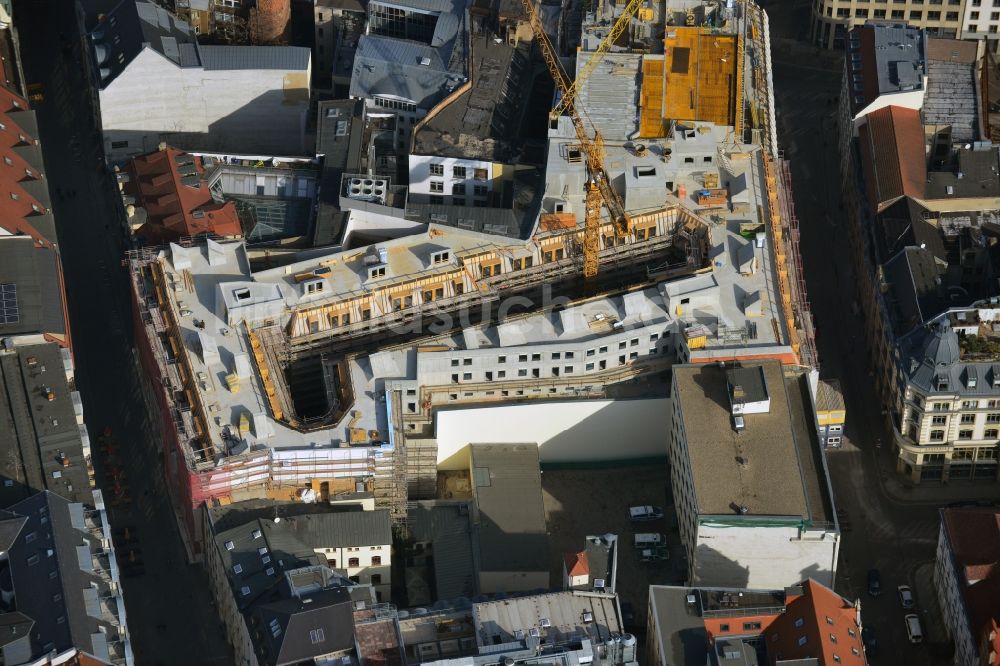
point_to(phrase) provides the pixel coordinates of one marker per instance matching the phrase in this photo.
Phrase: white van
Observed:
(913, 628)
(648, 540)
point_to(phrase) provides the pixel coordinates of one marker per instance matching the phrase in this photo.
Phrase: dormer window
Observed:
(376, 272)
(971, 378)
(942, 383)
(442, 257)
(313, 287)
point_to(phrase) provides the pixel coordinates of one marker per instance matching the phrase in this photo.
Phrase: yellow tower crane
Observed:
(598, 189)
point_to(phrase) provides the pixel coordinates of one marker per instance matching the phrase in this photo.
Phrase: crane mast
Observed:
(598, 190)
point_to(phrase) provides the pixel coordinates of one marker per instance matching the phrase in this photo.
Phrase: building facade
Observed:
(832, 20)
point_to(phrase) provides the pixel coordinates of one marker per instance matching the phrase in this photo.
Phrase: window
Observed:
(898, 13)
(995, 16)
(803, 640)
(316, 636)
(916, 16)
(965, 434)
(851, 632)
(861, 13)
(751, 626)
(799, 622)
(376, 560)
(480, 190)
(990, 433)
(376, 272)
(551, 256)
(986, 454)
(536, 357)
(973, 16)
(939, 420)
(501, 359)
(441, 257)
(939, 407)
(437, 186)
(458, 188)
(723, 628)
(880, 13)
(437, 169)
(993, 418)
(568, 355)
(523, 372)
(466, 376)
(376, 579)
(353, 562)
(951, 16)
(934, 458)
(119, 144)
(968, 418)
(522, 263)
(480, 174)
(437, 199)
(490, 269)
(458, 172)
(937, 435)
(933, 16)
(829, 620)
(833, 638)
(963, 454)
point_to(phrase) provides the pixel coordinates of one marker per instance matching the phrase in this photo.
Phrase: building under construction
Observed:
(329, 374)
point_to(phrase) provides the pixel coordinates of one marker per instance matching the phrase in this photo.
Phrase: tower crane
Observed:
(598, 191)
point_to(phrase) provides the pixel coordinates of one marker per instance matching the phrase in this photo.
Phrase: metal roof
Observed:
(447, 527)
(507, 485)
(295, 630)
(393, 68)
(215, 57)
(35, 273)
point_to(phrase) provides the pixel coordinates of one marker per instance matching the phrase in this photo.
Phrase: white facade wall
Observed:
(762, 558)
(948, 586)
(981, 20)
(374, 560)
(421, 179)
(544, 361)
(566, 432)
(913, 99)
(252, 110)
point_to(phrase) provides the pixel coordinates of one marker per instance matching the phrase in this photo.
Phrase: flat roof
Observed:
(778, 475)
(564, 612)
(507, 486)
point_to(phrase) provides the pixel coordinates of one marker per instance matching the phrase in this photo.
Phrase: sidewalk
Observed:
(941, 494)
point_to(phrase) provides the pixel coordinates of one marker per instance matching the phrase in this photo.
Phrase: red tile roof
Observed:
(577, 564)
(819, 624)
(892, 152)
(171, 204)
(17, 206)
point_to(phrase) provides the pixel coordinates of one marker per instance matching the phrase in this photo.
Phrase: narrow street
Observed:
(881, 531)
(170, 612)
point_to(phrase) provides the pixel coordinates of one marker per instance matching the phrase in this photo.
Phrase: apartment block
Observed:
(966, 580)
(750, 483)
(920, 178)
(802, 623)
(832, 20)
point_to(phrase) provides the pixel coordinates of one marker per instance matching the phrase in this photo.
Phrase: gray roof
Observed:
(134, 25)
(35, 273)
(338, 141)
(900, 51)
(10, 527)
(507, 486)
(914, 276)
(392, 68)
(951, 99)
(498, 622)
(484, 122)
(447, 527)
(779, 476)
(255, 553)
(65, 621)
(611, 95)
(975, 173)
(750, 380)
(293, 630)
(934, 357)
(35, 431)
(293, 58)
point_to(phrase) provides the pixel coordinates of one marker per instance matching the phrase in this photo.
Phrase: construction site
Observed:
(663, 233)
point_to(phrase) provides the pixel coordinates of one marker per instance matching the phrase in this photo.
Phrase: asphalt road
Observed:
(898, 538)
(169, 608)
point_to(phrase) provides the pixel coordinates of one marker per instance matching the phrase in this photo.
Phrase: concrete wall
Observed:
(236, 110)
(761, 558)
(566, 432)
(340, 559)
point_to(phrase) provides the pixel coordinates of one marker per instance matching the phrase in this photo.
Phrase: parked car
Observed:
(648, 540)
(874, 582)
(642, 513)
(906, 597)
(913, 629)
(870, 640)
(654, 554)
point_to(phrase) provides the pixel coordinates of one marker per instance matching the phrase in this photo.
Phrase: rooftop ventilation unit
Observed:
(367, 189)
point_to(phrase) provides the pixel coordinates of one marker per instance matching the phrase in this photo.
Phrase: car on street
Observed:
(913, 629)
(654, 554)
(640, 514)
(874, 582)
(648, 540)
(906, 597)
